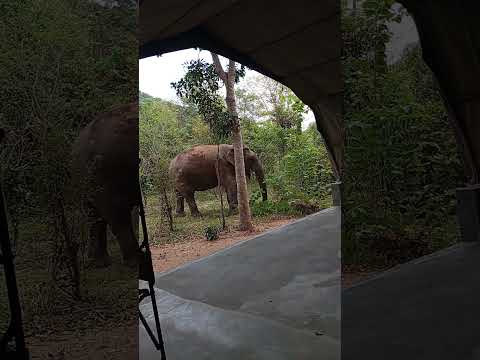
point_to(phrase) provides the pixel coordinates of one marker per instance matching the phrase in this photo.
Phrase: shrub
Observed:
(269, 207)
(211, 232)
(400, 165)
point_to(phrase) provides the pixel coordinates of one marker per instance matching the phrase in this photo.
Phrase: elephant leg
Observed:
(230, 186)
(97, 244)
(190, 197)
(232, 199)
(92, 220)
(122, 227)
(180, 204)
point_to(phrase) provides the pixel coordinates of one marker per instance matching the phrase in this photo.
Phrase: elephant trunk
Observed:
(260, 175)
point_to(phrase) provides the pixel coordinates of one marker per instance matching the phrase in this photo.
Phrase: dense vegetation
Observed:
(63, 61)
(402, 165)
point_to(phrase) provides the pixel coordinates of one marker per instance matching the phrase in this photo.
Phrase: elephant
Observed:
(105, 164)
(195, 170)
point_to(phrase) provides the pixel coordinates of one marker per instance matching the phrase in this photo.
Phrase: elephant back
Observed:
(105, 154)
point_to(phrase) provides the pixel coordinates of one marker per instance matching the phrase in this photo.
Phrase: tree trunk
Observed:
(228, 79)
(71, 248)
(242, 191)
(220, 188)
(167, 208)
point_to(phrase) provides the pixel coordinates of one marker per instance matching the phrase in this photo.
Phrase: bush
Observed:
(211, 232)
(296, 163)
(269, 207)
(401, 166)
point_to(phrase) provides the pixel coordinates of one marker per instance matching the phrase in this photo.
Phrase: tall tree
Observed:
(200, 86)
(228, 77)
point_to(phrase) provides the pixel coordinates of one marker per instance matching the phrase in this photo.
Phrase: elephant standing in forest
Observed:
(105, 167)
(195, 170)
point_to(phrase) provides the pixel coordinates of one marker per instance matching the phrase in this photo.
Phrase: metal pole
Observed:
(15, 329)
(146, 273)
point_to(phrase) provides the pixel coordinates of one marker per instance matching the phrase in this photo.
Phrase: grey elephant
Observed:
(105, 165)
(195, 170)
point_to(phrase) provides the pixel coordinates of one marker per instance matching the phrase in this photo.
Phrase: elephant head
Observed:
(252, 163)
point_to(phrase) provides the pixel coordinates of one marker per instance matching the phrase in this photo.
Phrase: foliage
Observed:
(303, 172)
(306, 166)
(401, 166)
(62, 63)
(200, 86)
(269, 207)
(264, 98)
(287, 110)
(211, 232)
(159, 142)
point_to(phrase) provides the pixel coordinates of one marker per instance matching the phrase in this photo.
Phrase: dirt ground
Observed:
(114, 343)
(169, 256)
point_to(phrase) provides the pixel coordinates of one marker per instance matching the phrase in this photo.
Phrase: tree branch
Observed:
(218, 67)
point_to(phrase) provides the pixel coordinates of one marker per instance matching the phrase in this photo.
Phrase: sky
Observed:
(157, 72)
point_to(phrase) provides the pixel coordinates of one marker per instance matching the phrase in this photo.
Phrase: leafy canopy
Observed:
(200, 86)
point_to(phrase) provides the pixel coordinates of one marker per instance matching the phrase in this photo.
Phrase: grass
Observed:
(189, 227)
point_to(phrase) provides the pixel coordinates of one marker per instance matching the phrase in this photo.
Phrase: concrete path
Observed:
(426, 309)
(276, 296)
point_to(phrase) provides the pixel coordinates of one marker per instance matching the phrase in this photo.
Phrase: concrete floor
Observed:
(276, 296)
(426, 309)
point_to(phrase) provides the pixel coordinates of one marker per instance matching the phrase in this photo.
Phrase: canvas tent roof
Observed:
(296, 44)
